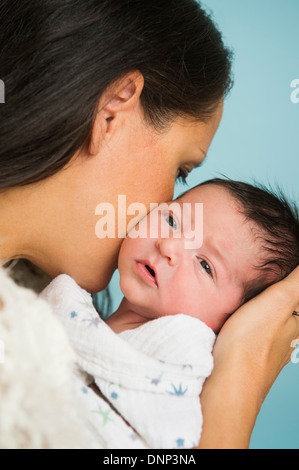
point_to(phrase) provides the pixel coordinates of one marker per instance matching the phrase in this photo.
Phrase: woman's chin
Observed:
(92, 284)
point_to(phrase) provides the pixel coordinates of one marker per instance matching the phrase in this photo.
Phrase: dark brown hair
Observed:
(57, 57)
(277, 220)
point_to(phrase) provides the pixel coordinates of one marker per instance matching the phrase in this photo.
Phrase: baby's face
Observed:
(206, 282)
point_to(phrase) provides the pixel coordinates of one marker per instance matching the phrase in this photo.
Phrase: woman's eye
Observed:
(182, 175)
(206, 267)
(170, 220)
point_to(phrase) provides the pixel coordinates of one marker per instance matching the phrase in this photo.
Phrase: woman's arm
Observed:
(251, 350)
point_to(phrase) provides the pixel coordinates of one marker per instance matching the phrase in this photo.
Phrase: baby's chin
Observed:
(135, 295)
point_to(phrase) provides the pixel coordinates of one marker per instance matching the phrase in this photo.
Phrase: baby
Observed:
(250, 240)
(177, 297)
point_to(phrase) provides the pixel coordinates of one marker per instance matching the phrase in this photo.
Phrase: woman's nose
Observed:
(170, 248)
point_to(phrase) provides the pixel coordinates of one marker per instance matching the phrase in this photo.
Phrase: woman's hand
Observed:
(251, 350)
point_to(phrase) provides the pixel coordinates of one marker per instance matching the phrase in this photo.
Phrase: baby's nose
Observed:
(170, 248)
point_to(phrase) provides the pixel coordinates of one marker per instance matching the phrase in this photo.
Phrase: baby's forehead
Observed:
(201, 192)
(220, 204)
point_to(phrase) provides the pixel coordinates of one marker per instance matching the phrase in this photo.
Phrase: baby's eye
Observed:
(205, 266)
(170, 220)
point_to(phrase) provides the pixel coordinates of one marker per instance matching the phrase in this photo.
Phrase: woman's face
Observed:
(131, 159)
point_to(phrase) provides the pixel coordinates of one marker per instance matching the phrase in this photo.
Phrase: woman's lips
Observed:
(145, 274)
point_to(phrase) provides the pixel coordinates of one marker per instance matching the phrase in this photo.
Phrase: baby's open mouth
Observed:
(151, 271)
(147, 272)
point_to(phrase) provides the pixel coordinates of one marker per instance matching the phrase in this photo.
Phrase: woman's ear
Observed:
(122, 96)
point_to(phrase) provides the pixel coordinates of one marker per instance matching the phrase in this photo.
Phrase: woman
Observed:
(121, 98)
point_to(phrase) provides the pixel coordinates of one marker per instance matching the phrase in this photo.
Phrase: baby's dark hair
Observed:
(278, 220)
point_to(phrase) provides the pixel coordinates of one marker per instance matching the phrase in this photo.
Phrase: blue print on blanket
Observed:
(74, 314)
(180, 442)
(177, 391)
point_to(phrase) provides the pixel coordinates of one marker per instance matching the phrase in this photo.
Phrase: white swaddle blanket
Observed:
(152, 375)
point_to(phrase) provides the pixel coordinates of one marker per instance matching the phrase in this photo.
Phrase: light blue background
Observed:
(259, 139)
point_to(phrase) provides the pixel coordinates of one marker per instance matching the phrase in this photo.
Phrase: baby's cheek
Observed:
(172, 301)
(125, 284)
(216, 324)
